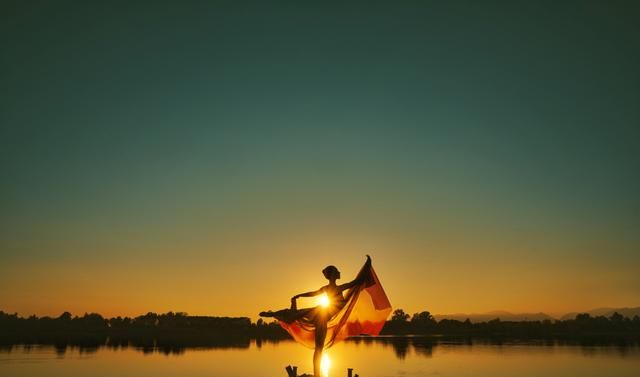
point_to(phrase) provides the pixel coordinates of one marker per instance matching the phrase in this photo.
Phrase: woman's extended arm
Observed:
(350, 284)
(358, 279)
(307, 294)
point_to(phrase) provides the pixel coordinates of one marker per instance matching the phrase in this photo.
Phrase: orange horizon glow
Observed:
(131, 290)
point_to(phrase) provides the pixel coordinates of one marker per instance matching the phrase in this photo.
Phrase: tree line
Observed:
(423, 323)
(169, 332)
(181, 328)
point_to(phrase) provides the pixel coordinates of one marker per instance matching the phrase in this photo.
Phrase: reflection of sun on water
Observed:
(325, 364)
(323, 300)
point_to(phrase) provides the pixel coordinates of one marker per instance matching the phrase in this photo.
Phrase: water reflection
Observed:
(424, 346)
(370, 357)
(145, 345)
(325, 365)
(401, 346)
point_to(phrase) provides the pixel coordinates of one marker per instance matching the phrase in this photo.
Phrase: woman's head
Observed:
(331, 273)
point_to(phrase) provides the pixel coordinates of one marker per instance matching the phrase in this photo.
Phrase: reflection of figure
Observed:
(320, 315)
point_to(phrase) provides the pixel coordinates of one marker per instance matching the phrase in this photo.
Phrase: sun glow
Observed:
(323, 300)
(325, 364)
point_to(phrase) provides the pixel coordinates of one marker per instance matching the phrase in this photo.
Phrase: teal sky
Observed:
(213, 157)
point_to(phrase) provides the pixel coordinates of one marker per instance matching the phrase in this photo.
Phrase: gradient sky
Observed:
(213, 157)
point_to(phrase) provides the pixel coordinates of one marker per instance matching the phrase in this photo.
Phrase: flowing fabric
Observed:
(364, 313)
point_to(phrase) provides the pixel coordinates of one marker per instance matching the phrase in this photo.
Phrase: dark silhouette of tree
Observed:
(423, 322)
(584, 317)
(616, 317)
(422, 317)
(399, 316)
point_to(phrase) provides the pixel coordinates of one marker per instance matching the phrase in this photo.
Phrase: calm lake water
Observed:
(369, 358)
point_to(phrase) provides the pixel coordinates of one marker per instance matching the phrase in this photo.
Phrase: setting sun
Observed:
(323, 300)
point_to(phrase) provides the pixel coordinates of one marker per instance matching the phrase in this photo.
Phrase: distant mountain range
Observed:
(503, 315)
(508, 316)
(607, 312)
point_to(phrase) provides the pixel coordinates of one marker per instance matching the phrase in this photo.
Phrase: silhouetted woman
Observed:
(320, 315)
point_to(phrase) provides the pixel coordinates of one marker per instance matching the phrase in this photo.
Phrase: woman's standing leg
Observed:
(321, 334)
